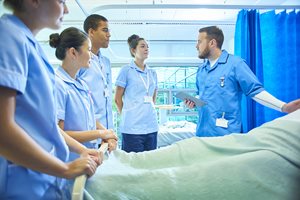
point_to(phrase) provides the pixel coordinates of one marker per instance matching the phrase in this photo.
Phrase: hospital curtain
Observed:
(269, 42)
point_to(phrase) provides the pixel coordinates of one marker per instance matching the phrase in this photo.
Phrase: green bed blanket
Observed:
(261, 165)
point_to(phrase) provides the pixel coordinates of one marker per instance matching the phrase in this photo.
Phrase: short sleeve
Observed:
(13, 58)
(122, 77)
(61, 98)
(248, 82)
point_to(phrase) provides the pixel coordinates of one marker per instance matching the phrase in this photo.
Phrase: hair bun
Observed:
(54, 40)
(133, 37)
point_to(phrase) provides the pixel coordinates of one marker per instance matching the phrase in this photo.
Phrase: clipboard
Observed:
(185, 96)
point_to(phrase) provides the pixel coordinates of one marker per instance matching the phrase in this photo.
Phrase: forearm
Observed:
(119, 103)
(21, 149)
(99, 126)
(74, 145)
(86, 136)
(154, 96)
(268, 100)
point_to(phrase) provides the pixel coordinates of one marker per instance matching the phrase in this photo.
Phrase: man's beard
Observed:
(204, 54)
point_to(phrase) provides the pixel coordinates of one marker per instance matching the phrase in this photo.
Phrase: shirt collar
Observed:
(61, 73)
(222, 60)
(134, 66)
(17, 22)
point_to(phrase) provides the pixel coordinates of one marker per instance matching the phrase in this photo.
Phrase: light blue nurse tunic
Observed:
(74, 105)
(137, 117)
(99, 80)
(222, 87)
(25, 69)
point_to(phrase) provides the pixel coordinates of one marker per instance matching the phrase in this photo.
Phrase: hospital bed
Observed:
(174, 131)
(263, 164)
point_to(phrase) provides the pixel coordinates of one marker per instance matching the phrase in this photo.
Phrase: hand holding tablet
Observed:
(185, 96)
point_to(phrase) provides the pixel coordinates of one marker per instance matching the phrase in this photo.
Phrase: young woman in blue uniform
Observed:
(75, 109)
(33, 151)
(136, 89)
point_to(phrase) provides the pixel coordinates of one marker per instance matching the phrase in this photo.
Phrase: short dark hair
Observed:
(214, 32)
(70, 37)
(133, 41)
(92, 22)
(15, 5)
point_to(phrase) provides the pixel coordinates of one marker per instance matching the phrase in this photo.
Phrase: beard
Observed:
(204, 54)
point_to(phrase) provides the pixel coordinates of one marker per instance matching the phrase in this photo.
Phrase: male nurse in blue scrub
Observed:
(98, 76)
(221, 81)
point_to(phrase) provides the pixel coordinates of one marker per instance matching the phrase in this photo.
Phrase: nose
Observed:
(66, 10)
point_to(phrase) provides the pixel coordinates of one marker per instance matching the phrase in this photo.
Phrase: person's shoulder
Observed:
(105, 59)
(126, 68)
(10, 32)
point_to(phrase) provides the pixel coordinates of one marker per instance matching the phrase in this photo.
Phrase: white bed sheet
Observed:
(174, 131)
(263, 164)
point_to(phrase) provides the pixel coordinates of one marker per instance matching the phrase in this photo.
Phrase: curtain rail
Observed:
(190, 6)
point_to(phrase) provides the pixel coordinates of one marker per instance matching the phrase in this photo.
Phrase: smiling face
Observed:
(141, 51)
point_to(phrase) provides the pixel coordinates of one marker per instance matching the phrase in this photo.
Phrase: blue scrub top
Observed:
(98, 77)
(137, 117)
(25, 69)
(237, 79)
(74, 105)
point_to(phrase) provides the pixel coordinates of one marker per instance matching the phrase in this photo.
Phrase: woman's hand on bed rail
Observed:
(111, 139)
(94, 154)
(83, 165)
(112, 144)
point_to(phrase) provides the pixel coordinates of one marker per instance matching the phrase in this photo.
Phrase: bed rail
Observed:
(79, 184)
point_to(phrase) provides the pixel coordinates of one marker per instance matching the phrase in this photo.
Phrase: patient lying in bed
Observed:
(264, 164)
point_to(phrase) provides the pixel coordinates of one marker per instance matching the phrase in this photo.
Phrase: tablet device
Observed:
(185, 96)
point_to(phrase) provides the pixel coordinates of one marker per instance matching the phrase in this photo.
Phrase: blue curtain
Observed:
(270, 44)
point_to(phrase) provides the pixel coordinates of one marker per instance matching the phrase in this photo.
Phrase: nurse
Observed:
(221, 81)
(33, 153)
(75, 109)
(136, 89)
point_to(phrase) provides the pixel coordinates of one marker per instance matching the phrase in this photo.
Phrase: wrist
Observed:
(283, 108)
(102, 133)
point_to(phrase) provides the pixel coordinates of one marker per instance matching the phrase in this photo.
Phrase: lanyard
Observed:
(148, 82)
(102, 72)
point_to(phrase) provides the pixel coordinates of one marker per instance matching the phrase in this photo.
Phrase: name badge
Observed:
(148, 99)
(106, 92)
(221, 122)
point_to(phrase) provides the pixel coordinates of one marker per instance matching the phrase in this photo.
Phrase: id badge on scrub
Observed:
(106, 92)
(222, 122)
(148, 99)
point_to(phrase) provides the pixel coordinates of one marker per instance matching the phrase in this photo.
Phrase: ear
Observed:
(72, 52)
(213, 42)
(91, 32)
(132, 50)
